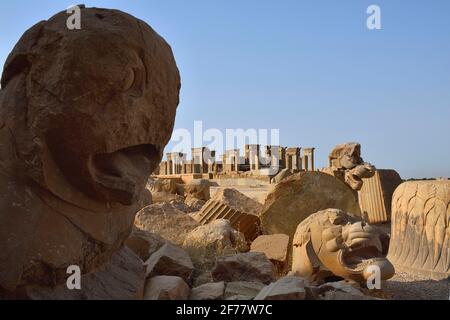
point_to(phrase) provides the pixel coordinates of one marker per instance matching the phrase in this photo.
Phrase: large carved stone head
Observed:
(85, 115)
(333, 243)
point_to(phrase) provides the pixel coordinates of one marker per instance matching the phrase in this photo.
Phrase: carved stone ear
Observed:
(19, 59)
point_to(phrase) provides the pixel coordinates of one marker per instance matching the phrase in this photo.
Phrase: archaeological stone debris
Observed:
(297, 197)
(345, 162)
(232, 205)
(333, 243)
(420, 231)
(83, 124)
(375, 196)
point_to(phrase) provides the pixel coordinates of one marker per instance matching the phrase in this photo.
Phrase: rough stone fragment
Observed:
(341, 290)
(208, 291)
(283, 174)
(275, 247)
(286, 288)
(232, 205)
(207, 242)
(194, 204)
(170, 261)
(346, 162)
(164, 185)
(249, 266)
(84, 123)
(166, 220)
(333, 243)
(242, 290)
(122, 278)
(166, 288)
(198, 188)
(420, 230)
(144, 243)
(299, 196)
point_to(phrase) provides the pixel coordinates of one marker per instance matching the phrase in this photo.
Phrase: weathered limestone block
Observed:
(375, 196)
(341, 291)
(249, 266)
(170, 261)
(286, 288)
(209, 241)
(122, 278)
(333, 243)
(198, 188)
(420, 230)
(208, 291)
(275, 247)
(166, 288)
(299, 196)
(164, 185)
(166, 220)
(144, 243)
(283, 174)
(232, 205)
(194, 204)
(84, 122)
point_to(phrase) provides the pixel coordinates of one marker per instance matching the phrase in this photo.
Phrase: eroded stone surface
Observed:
(170, 261)
(420, 230)
(208, 291)
(231, 204)
(249, 266)
(166, 220)
(286, 288)
(209, 241)
(275, 247)
(122, 278)
(84, 123)
(302, 194)
(166, 288)
(346, 159)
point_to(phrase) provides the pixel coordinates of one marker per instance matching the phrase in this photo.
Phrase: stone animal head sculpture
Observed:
(84, 118)
(333, 243)
(347, 157)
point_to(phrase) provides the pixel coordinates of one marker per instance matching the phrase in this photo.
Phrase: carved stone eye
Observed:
(129, 79)
(133, 82)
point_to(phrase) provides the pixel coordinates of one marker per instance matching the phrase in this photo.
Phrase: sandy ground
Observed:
(404, 286)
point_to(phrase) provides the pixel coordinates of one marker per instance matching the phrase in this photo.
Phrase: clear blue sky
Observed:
(309, 68)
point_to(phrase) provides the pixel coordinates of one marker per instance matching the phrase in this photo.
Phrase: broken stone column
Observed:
(85, 116)
(420, 230)
(234, 206)
(376, 194)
